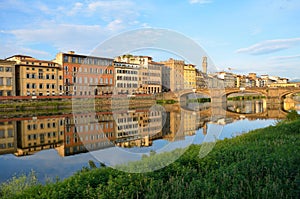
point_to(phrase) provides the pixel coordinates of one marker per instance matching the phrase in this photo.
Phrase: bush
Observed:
(292, 115)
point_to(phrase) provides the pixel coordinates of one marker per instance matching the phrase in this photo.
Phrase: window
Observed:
(8, 93)
(47, 76)
(65, 58)
(33, 85)
(110, 81)
(53, 76)
(53, 86)
(27, 75)
(60, 77)
(8, 81)
(40, 75)
(2, 134)
(42, 126)
(48, 86)
(1, 69)
(73, 59)
(1, 93)
(1, 81)
(41, 86)
(33, 75)
(27, 85)
(8, 69)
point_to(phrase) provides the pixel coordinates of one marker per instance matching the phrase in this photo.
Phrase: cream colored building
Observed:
(189, 76)
(126, 78)
(37, 77)
(176, 74)
(150, 73)
(7, 78)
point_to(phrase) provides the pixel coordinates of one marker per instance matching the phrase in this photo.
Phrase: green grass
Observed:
(264, 163)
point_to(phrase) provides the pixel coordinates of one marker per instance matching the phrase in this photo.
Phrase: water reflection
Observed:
(247, 106)
(135, 130)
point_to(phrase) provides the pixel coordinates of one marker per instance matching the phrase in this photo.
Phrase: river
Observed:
(59, 145)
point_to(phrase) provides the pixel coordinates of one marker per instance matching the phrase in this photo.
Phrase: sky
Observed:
(246, 36)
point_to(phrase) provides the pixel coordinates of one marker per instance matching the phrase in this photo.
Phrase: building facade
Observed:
(7, 78)
(37, 77)
(176, 73)
(189, 76)
(150, 73)
(86, 75)
(126, 78)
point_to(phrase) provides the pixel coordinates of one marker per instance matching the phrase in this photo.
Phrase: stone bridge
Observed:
(216, 93)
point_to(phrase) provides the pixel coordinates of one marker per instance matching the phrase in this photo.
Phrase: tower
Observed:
(204, 65)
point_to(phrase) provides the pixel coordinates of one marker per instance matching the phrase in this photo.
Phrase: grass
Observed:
(237, 98)
(261, 164)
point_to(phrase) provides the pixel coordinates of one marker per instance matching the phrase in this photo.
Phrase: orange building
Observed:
(86, 75)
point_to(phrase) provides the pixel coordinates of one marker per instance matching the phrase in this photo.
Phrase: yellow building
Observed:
(40, 134)
(7, 80)
(37, 77)
(189, 76)
(8, 138)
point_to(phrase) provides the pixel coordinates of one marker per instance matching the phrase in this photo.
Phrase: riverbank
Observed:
(261, 164)
(63, 105)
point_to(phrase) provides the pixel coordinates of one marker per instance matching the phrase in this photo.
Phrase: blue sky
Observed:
(247, 36)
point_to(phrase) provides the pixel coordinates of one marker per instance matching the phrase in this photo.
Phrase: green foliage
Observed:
(292, 115)
(17, 184)
(166, 101)
(261, 164)
(248, 97)
(200, 100)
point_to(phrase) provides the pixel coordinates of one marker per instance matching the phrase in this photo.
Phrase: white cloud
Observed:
(77, 7)
(111, 5)
(115, 25)
(270, 46)
(63, 37)
(200, 1)
(284, 58)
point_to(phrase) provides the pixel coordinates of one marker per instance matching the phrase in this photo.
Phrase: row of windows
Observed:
(7, 135)
(42, 125)
(41, 76)
(8, 93)
(128, 78)
(134, 72)
(42, 135)
(40, 63)
(90, 80)
(88, 60)
(40, 86)
(91, 70)
(91, 127)
(8, 145)
(128, 126)
(5, 69)
(127, 85)
(5, 81)
(127, 133)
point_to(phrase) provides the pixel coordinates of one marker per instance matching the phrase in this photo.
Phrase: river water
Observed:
(57, 146)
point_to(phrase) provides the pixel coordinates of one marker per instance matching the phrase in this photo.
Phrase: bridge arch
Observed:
(288, 92)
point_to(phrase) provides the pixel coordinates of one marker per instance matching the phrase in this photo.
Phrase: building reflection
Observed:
(80, 133)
